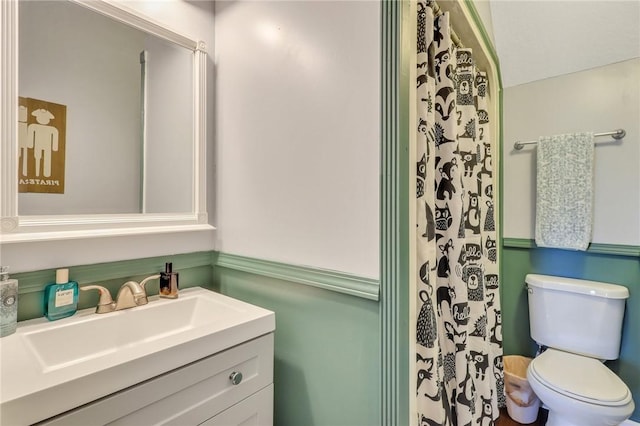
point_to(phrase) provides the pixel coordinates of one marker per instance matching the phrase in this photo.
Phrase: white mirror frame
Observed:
(15, 228)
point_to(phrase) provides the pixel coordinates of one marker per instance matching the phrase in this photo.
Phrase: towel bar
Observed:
(616, 134)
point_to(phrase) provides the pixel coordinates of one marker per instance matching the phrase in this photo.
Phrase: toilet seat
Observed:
(579, 377)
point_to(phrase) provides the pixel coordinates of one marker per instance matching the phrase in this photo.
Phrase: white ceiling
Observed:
(537, 39)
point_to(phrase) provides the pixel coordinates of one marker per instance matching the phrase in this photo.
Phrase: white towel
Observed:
(564, 205)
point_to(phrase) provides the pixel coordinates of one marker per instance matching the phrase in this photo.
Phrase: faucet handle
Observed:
(143, 282)
(106, 301)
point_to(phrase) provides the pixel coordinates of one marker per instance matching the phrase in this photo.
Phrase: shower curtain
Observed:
(458, 326)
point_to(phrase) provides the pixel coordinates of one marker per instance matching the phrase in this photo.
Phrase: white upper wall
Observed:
(571, 66)
(540, 39)
(598, 100)
(192, 18)
(484, 11)
(298, 132)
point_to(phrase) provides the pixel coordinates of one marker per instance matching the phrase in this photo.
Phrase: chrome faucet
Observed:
(130, 295)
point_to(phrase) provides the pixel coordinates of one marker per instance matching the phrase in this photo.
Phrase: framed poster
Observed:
(41, 146)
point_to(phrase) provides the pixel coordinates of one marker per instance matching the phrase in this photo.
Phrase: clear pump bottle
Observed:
(8, 303)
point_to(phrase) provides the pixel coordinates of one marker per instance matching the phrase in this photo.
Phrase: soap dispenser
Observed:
(61, 297)
(8, 303)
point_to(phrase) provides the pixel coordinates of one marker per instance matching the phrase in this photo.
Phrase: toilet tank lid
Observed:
(572, 285)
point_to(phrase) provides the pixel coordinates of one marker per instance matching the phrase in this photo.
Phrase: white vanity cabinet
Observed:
(232, 387)
(172, 361)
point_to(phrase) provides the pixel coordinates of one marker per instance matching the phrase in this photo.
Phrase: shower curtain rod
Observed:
(616, 134)
(437, 12)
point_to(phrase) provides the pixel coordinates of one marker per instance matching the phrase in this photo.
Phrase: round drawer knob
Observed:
(236, 377)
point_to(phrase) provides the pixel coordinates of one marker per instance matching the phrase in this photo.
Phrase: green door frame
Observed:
(394, 214)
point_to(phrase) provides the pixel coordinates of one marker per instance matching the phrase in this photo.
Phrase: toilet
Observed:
(580, 324)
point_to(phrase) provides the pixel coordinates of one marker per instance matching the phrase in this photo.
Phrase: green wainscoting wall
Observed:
(612, 264)
(195, 271)
(327, 349)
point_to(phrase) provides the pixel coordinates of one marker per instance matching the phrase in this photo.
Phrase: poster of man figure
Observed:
(41, 143)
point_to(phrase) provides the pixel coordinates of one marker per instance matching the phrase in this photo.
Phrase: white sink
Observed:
(50, 367)
(63, 344)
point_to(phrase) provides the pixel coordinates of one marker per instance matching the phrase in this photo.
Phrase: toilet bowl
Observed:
(578, 390)
(580, 322)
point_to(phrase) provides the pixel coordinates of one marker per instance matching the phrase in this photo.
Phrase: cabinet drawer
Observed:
(257, 410)
(186, 396)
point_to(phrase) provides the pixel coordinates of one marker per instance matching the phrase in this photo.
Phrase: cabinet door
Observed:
(186, 396)
(257, 410)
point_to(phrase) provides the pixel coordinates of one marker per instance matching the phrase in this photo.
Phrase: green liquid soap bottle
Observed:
(61, 297)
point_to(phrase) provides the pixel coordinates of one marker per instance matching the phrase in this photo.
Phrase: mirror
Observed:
(106, 132)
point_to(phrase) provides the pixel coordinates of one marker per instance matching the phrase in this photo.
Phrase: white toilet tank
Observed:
(578, 316)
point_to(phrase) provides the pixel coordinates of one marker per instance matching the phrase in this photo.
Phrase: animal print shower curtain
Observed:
(458, 326)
